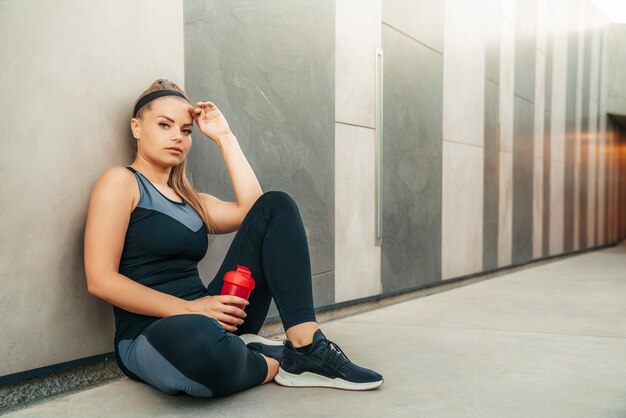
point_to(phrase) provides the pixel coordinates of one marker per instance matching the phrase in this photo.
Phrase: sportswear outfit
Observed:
(193, 353)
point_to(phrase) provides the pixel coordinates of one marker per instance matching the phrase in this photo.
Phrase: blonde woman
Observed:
(145, 233)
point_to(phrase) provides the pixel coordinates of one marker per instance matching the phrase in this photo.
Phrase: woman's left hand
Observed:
(210, 120)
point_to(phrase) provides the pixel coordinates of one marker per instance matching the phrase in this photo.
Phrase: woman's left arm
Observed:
(213, 124)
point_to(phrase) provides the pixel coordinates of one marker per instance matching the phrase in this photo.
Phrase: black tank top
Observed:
(163, 245)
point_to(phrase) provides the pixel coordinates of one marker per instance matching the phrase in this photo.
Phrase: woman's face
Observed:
(168, 124)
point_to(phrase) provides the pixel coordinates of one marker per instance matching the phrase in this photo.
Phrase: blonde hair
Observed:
(178, 175)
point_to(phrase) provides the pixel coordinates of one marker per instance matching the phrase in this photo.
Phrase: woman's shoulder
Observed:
(118, 180)
(119, 175)
(117, 171)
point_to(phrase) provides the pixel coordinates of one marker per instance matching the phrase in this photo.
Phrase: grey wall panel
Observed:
(548, 77)
(493, 27)
(523, 135)
(570, 128)
(604, 124)
(584, 141)
(323, 292)
(413, 92)
(607, 178)
(269, 66)
(421, 20)
(324, 288)
(621, 168)
(70, 72)
(546, 182)
(547, 140)
(523, 169)
(525, 48)
(491, 178)
(616, 62)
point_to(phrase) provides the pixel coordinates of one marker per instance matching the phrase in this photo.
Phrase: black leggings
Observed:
(193, 353)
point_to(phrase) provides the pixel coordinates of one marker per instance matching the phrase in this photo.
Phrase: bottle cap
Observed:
(240, 277)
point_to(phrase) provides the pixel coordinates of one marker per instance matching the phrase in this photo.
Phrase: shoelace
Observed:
(334, 356)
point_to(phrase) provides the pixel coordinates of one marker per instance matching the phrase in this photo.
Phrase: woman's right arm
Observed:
(107, 221)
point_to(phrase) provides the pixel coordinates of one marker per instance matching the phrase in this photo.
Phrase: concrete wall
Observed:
(496, 147)
(277, 93)
(616, 63)
(70, 73)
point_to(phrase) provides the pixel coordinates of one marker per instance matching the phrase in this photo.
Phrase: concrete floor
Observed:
(547, 341)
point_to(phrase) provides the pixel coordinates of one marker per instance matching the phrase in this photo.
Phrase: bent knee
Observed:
(278, 198)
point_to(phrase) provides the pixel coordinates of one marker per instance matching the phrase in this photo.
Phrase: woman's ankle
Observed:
(302, 334)
(272, 368)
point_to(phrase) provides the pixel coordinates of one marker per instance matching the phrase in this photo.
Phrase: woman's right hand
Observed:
(218, 307)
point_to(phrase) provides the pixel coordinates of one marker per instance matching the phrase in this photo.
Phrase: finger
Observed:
(231, 320)
(224, 319)
(210, 105)
(237, 300)
(227, 327)
(235, 311)
(232, 299)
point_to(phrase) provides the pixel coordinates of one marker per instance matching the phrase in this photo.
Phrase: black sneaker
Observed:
(324, 365)
(265, 346)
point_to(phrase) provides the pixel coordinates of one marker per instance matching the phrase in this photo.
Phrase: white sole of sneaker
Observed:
(254, 338)
(308, 379)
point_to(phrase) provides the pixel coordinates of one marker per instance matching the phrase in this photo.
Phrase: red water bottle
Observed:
(238, 283)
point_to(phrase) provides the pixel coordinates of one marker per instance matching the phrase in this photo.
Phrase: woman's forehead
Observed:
(171, 107)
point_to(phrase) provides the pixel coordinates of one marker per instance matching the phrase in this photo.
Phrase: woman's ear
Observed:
(134, 127)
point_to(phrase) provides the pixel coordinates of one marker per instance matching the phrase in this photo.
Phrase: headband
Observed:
(156, 94)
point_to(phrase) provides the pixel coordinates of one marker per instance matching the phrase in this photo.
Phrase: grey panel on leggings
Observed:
(152, 198)
(141, 358)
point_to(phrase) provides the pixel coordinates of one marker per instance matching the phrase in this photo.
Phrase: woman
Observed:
(145, 233)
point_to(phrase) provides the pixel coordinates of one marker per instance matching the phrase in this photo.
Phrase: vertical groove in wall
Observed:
(491, 177)
(605, 134)
(523, 170)
(609, 180)
(546, 184)
(547, 149)
(620, 186)
(585, 141)
(570, 128)
(523, 130)
(620, 183)
(596, 198)
(599, 198)
(505, 140)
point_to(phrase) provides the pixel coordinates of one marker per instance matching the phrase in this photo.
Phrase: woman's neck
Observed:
(156, 175)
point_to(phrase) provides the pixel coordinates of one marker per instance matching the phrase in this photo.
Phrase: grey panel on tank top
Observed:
(152, 198)
(141, 358)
